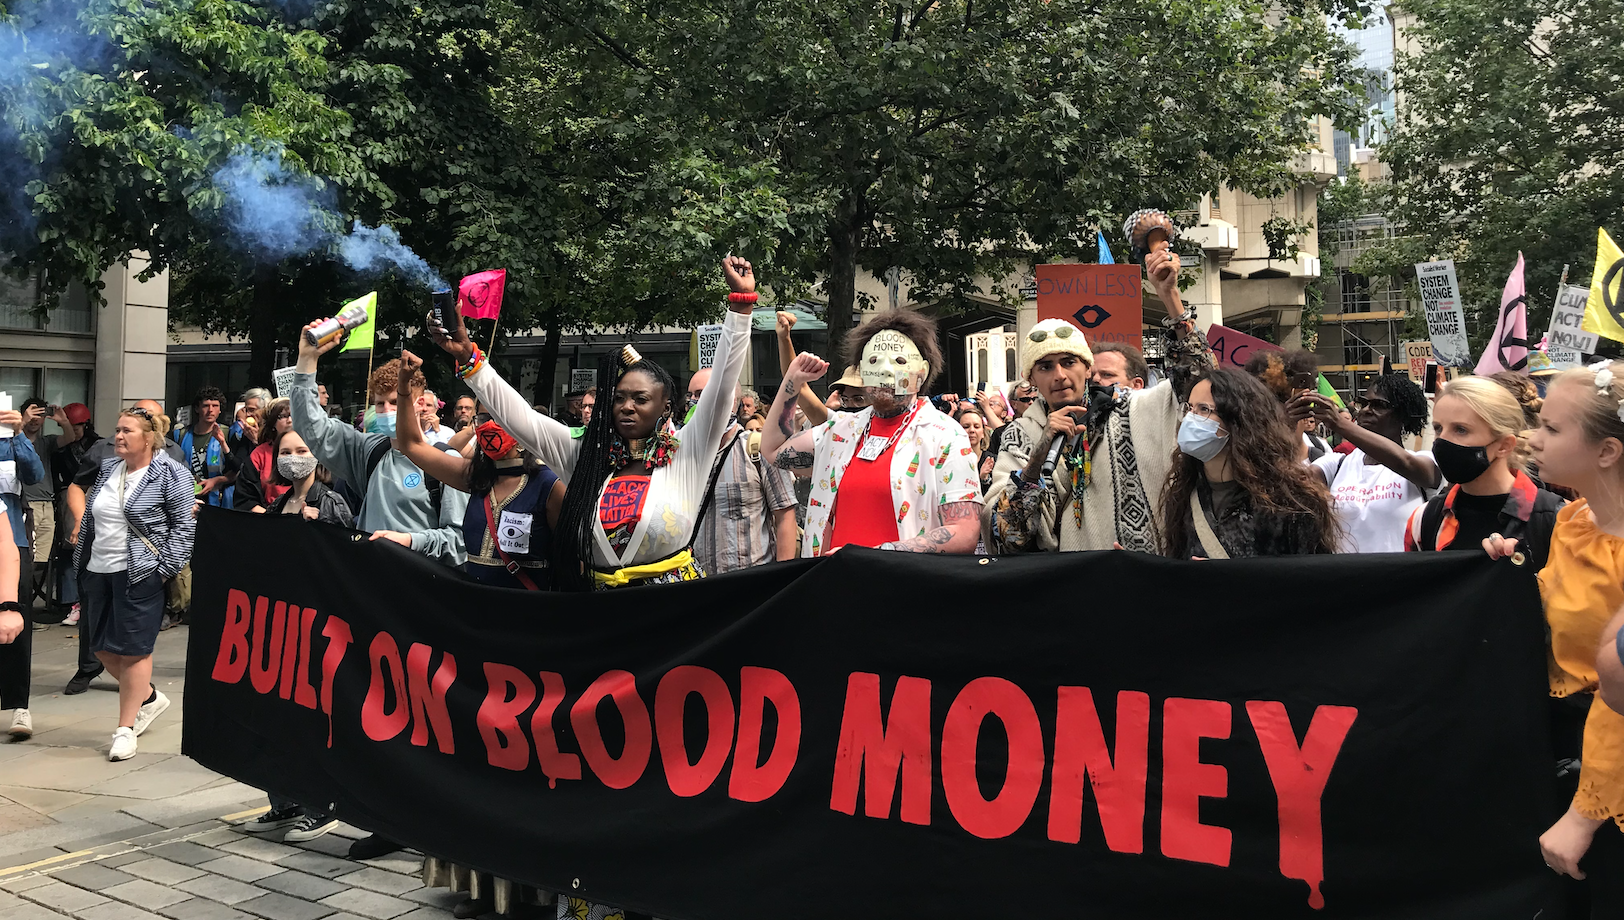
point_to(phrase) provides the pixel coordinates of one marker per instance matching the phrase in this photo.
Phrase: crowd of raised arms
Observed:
(643, 482)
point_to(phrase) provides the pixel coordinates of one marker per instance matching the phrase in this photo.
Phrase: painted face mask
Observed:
(493, 440)
(891, 361)
(382, 423)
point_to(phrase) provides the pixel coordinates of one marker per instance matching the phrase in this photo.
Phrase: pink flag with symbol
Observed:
(1508, 350)
(480, 294)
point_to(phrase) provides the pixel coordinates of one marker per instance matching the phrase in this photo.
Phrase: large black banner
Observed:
(1099, 735)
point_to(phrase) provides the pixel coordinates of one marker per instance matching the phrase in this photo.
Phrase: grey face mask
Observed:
(295, 467)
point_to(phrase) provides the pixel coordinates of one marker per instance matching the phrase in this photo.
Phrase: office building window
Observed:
(20, 301)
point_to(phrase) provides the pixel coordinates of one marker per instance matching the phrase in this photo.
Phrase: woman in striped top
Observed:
(136, 533)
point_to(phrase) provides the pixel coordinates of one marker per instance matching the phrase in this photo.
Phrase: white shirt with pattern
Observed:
(932, 464)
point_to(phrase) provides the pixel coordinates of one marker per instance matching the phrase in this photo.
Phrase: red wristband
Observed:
(736, 297)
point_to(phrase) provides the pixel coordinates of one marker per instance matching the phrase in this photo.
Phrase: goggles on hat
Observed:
(1038, 335)
(494, 441)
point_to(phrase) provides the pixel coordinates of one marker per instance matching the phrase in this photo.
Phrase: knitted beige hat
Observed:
(1053, 337)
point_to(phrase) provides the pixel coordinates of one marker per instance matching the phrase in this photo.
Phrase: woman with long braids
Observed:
(635, 480)
(1237, 488)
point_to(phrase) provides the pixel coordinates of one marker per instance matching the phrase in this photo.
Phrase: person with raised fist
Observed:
(637, 476)
(898, 475)
(1084, 466)
(400, 503)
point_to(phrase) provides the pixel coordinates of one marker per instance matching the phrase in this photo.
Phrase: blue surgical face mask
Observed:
(382, 423)
(1199, 437)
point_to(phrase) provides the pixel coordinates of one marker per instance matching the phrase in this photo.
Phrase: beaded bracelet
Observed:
(474, 364)
(736, 297)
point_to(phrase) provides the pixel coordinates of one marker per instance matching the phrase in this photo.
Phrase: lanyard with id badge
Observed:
(873, 447)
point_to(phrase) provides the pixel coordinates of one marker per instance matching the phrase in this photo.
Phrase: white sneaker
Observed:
(22, 725)
(123, 744)
(150, 711)
(72, 619)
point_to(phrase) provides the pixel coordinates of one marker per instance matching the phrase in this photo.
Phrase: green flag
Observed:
(361, 336)
(1329, 392)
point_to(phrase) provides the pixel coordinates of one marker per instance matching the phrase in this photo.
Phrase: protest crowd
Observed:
(645, 480)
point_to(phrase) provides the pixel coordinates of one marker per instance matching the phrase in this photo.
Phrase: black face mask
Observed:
(1459, 463)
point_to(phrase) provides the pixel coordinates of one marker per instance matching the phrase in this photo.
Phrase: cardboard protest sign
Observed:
(1233, 347)
(1446, 322)
(1567, 339)
(282, 377)
(1105, 301)
(1416, 356)
(702, 348)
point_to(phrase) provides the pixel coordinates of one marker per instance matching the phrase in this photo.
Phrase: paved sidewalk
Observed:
(156, 836)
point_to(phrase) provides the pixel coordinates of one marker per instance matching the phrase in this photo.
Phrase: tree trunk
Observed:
(262, 337)
(548, 372)
(841, 283)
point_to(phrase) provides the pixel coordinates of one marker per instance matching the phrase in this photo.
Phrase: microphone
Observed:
(1054, 456)
(1099, 403)
(1053, 460)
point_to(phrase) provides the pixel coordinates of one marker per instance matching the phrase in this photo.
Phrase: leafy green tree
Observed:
(114, 115)
(961, 138)
(490, 151)
(1508, 139)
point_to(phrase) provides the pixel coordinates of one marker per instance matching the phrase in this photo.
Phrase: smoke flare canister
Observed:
(350, 318)
(441, 303)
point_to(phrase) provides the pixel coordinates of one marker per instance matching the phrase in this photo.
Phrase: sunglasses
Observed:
(1376, 404)
(1038, 335)
(1022, 399)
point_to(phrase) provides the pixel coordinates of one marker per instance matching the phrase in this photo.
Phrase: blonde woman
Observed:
(977, 428)
(136, 533)
(1479, 448)
(1580, 444)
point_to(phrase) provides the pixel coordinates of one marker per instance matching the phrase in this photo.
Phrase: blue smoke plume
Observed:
(368, 249)
(276, 212)
(273, 212)
(40, 42)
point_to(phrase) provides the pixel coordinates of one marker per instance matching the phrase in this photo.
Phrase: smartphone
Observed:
(1431, 385)
(981, 387)
(1305, 380)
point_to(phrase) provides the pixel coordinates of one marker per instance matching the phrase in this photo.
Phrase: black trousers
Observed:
(88, 662)
(17, 659)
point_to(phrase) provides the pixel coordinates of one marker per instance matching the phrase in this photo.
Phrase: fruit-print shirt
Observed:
(931, 464)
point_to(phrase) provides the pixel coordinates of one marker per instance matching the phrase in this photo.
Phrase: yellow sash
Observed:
(633, 573)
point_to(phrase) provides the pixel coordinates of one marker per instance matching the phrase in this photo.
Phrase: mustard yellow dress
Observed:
(1583, 586)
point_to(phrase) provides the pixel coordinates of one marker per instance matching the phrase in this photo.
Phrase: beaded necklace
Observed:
(655, 452)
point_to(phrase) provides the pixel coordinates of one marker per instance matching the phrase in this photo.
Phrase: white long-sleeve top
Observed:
(675, 490)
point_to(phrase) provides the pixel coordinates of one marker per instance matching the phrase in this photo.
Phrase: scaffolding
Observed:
(1364, 316)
